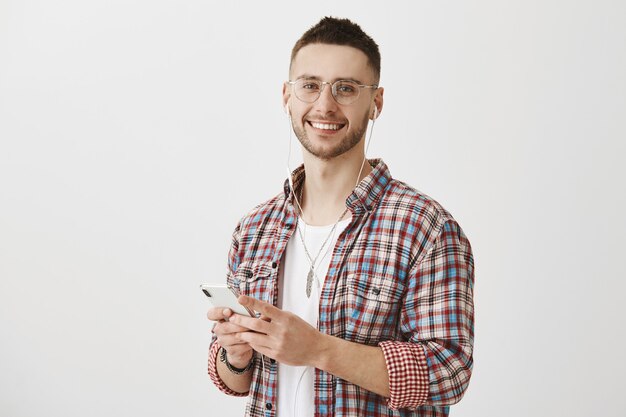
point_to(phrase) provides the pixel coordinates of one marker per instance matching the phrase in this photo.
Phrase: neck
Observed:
(328, 183)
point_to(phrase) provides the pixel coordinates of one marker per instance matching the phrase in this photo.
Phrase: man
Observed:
(363, 285)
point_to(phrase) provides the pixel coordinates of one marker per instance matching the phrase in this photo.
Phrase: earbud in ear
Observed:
(287, 110)
(375, 116)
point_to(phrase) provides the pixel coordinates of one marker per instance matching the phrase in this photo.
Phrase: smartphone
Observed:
(224, 296)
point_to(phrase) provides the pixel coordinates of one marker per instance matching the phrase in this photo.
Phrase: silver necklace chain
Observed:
(311, 275)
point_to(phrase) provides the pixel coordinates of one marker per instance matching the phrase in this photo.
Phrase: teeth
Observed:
(326, 126)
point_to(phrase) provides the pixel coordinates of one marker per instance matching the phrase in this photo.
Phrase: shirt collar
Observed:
(363, 198)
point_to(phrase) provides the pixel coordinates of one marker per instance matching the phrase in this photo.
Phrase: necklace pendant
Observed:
(309, 282)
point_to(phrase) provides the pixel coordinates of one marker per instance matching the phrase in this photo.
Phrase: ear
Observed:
(377, 105)
(286, 97)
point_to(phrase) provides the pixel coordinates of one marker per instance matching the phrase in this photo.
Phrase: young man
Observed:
(363, 284)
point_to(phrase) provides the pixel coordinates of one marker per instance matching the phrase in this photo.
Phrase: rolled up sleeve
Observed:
(408, 374)
(215, 377)
(433, 364)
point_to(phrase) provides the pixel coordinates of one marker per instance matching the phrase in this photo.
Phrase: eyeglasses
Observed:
(344, 91)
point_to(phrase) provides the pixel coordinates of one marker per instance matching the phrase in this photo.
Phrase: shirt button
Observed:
(376, 291)
(268, 406)
(274, 265)
(249, 274)
(272, 361)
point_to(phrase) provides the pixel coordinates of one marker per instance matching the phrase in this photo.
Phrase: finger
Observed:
(228, 327)
(219, 313)
(216, 314)
(264, 350)
(250, 323)
(259, 340)
(230, 340)
(227, 312)
(262, 307)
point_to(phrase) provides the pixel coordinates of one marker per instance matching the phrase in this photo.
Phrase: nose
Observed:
(326, 102)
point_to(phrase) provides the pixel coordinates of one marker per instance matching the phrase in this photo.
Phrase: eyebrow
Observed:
(314, 77)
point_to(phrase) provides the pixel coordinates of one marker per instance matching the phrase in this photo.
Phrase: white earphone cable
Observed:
(367, 146)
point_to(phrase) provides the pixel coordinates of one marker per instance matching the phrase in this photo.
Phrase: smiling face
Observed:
(325, 128)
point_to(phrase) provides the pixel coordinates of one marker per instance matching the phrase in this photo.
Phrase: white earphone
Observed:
(375, 113)
(288, 168)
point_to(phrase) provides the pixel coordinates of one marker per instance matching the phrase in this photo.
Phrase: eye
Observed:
(346, 88)
(309, 85)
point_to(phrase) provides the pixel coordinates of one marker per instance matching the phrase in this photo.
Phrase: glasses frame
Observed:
(333, 89)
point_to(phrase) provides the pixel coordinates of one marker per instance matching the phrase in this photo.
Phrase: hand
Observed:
(229, 336)
(279, 334)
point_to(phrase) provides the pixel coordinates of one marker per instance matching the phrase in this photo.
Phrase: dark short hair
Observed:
(333, 31)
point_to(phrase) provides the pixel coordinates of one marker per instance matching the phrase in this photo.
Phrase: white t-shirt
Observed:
(295, 383)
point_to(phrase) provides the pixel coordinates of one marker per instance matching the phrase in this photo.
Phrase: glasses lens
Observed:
(346, 92)
(308, 90)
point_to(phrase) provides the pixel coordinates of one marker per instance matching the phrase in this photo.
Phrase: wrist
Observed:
(239, 361)
(236, 368)
(324, 356)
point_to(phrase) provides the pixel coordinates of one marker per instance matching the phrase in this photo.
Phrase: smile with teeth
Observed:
(326, 126)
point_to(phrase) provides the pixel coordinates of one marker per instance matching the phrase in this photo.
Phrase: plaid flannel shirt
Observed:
(401, 278)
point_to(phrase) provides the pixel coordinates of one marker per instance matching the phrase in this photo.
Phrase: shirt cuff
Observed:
(213, 352)
(408, 374)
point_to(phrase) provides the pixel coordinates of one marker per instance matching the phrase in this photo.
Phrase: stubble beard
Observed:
(349, 142)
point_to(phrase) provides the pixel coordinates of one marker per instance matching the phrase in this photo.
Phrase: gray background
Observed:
(135, 133)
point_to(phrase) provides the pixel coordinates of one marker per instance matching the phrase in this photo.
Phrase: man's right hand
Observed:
(239, 353)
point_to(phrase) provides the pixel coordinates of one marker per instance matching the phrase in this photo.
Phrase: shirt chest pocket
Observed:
(374, 302)
(256, 279)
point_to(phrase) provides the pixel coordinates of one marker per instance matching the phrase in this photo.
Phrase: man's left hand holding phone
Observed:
(238, 354)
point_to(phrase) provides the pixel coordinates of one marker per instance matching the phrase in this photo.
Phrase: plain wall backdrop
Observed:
(134, 134)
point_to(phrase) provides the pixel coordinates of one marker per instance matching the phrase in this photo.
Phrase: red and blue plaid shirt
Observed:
(401, 278)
